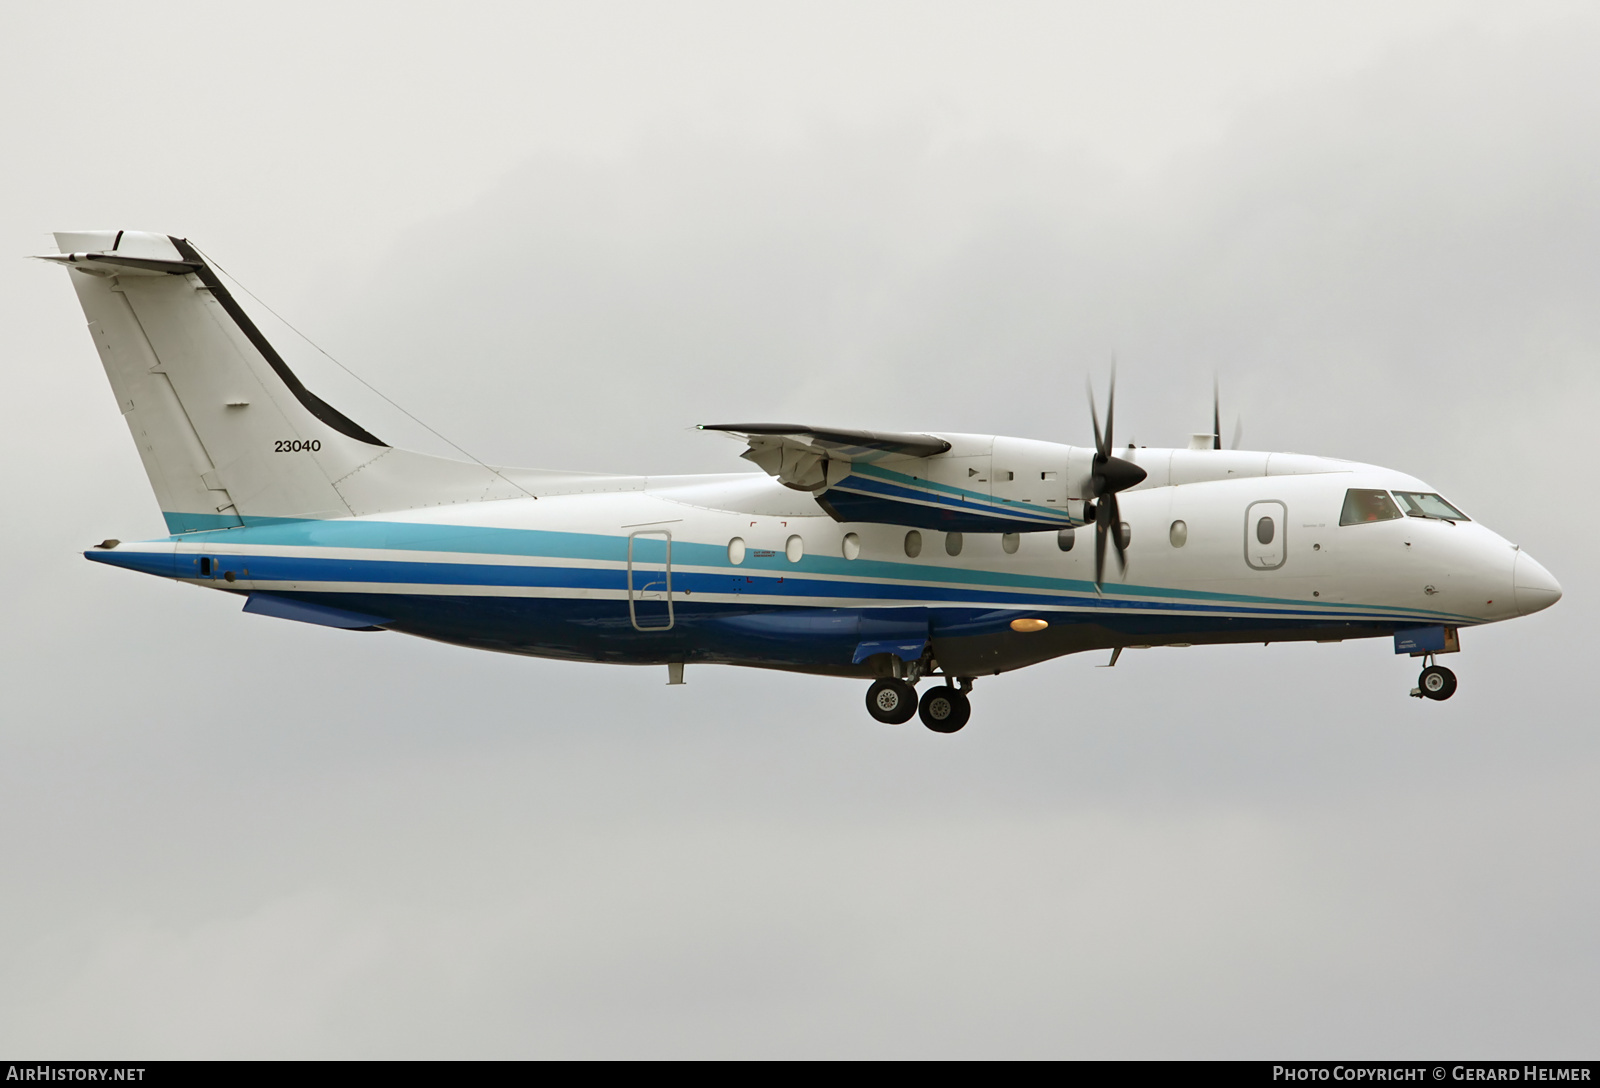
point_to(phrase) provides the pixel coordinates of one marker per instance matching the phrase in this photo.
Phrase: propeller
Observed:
(1108, 476)
(1216, 420)
(1216, 414)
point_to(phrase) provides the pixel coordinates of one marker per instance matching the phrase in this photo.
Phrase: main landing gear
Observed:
(1436, 682)
(892, 702)
(944, 709)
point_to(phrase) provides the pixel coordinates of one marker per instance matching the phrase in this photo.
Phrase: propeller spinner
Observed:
(1108, 476)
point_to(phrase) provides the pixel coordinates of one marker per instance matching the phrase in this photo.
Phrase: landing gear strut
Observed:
(1436, 682)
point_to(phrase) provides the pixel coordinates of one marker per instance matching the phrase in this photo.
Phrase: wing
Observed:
(799, 455)
(943, 482)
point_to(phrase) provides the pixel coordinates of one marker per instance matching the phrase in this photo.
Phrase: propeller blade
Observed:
(1216, 415)
(1114, 520)
(1111, 409)
(1100, 543)
(1099, 440)
(1238, 433)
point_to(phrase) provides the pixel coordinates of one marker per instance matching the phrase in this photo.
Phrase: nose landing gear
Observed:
(1436, 682)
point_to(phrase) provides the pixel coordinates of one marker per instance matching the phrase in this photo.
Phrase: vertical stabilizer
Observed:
(226, 431)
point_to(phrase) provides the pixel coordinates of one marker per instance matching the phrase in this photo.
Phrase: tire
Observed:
(944, 709)
(1437, 682)
(892, 702)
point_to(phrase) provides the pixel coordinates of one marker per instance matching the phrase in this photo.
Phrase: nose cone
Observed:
(1535, 589)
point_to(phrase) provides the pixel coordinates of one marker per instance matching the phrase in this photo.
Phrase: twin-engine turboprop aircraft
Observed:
(893, 558)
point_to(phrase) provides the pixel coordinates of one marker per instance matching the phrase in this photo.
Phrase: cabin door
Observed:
(650, 580)
(1266, 534)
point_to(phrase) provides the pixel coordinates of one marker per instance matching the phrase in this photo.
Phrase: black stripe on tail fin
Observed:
(314, 404)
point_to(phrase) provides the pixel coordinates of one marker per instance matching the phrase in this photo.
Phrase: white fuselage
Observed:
(862, 553)
(743, 545)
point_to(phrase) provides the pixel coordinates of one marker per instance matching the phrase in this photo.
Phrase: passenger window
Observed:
(952, 543)
(913, 544)
(1363, 505)
(1010, 542)
(1265, 530)
(1065, 539)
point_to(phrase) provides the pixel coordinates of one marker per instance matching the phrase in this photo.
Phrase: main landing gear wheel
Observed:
(892, 702)
(944, 709)
(1437, 682)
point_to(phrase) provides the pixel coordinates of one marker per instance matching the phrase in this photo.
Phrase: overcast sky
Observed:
(563, 236)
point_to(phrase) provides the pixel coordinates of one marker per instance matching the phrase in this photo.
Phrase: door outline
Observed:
(636, 595)
(1280, 517)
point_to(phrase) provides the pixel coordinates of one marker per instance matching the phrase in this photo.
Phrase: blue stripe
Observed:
(822, 638)
(850, 506)
(262, 570)
(915, 581)
(965, 501)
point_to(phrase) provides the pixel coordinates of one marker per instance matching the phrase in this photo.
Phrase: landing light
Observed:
(1028, 626)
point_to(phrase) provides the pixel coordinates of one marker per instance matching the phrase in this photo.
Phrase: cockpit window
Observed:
(1420, 504)
(1362, 505)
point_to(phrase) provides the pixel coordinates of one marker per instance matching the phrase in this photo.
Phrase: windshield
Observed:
(1363, 505)
(1420, 504)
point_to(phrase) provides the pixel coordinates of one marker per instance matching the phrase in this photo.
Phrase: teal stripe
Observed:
(544, 543)
(203, 523)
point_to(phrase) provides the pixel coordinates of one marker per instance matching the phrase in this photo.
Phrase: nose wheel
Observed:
(1436, 682)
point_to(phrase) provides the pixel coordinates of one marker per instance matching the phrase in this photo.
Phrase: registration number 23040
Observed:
(295, 445)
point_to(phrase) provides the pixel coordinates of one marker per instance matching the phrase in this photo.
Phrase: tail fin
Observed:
(226, 430)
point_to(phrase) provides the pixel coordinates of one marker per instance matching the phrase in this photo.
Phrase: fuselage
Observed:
(738, 569)
(893, 555)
